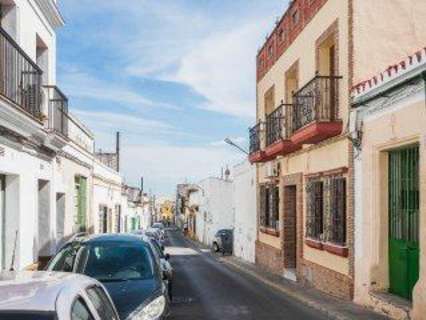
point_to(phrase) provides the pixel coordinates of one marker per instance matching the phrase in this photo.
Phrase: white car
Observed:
(46, 295)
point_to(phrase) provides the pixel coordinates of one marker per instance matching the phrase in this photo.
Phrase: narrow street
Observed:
(206, 289)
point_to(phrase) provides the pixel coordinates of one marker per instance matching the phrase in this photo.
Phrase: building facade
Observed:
(301, 143)
(389, 116)
(305, 228)
(244, 207)
(33, 128)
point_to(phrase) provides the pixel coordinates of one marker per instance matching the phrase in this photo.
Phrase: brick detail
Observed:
(269, 258)
(326, 280)
(291, 24)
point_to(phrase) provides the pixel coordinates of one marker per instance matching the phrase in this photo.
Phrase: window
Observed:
(101, 303)
(326, 209)
(295, 17)
(79, 311)
(270, 51)
(281, 35)
(269, 206)
(315, 210)
(337, 232)
(64, 260)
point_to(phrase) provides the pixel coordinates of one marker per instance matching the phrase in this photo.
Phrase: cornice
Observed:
(51, 12)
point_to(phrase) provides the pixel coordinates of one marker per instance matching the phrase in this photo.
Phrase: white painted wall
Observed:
(214, 199)
(244, 191)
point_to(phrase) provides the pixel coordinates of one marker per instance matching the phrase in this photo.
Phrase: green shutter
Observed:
(82, 203)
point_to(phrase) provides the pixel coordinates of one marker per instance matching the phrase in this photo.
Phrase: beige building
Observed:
(389, 117)
(305, 71)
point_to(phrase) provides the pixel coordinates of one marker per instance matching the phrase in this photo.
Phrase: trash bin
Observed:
(225, 241)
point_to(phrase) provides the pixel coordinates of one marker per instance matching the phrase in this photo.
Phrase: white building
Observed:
(107, 202)
(32, 130)
(213, 205)
(244, 197)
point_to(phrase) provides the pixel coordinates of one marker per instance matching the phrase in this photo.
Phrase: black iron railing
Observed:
(255, 138)
(20, 77)
(277, 124)
(316, 101)
(58, 110)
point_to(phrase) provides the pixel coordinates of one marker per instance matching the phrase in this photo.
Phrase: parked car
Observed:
(157, 234)
(163, 259)
(158, 225)
(126, 266)
(53, 296)
(223, 241)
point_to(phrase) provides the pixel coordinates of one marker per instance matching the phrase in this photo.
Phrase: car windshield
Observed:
(117, 262)
(27, 315)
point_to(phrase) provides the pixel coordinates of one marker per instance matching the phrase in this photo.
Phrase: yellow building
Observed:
(301, 142)
(167, 211)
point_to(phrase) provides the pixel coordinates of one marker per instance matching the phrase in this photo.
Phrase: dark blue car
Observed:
(126, 267)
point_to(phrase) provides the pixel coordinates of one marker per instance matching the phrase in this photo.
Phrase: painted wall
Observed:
(385, 32)
(215, 212)
(244, 191)
(387, 124)
(106, 191)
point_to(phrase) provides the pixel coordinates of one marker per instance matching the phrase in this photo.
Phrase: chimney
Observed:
(117, 150)
(142, 184)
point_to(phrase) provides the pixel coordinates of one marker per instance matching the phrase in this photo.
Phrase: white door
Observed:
(2, 222)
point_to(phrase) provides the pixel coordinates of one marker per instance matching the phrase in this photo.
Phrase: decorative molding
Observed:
(68, 156)
(51, 12)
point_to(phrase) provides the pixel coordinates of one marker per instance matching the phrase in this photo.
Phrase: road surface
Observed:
(205, 288)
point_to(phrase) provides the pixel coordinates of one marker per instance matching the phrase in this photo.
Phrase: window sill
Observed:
(341, 251)
(313, 243)
(270, 231)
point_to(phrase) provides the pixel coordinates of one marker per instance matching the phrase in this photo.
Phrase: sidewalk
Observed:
(334, 308)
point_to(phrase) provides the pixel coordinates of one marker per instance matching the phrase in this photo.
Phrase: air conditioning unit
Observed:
(271, 170)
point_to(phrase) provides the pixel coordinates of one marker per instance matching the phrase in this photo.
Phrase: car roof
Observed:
(110, 237)
(38, 290)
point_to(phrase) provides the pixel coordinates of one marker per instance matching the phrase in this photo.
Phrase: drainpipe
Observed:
(424, 80)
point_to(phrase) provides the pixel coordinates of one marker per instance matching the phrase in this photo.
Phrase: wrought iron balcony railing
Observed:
(57, 110)
(318, 100)
(277, 127)
(255, 138)
(20, 77)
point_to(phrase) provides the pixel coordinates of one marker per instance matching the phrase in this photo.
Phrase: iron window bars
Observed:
(277, 124)
(254, 133)
(269, 206)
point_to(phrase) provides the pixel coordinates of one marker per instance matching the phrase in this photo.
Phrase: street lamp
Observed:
(232, 143)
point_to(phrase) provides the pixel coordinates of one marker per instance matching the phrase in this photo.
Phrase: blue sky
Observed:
(175, 77)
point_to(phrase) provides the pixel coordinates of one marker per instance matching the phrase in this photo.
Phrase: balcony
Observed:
(315, 111)
(20, 77)
(57, 110)
(255, 154)
(278, 131)
(57, 124)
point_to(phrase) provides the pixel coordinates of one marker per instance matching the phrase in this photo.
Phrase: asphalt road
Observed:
(205, 288)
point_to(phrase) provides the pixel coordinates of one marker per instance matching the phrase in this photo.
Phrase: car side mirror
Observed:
(167, 256)
(164, 275)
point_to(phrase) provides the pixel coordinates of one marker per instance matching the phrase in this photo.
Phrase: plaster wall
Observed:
(384, 32)
(398, 125)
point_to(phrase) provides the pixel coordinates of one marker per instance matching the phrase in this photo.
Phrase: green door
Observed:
(403, 221)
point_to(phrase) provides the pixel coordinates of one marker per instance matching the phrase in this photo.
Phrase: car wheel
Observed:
(215, 247)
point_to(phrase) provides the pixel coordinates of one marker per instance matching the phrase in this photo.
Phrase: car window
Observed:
(118, 262)
(101, 303)
(80, 311)
(64, 260)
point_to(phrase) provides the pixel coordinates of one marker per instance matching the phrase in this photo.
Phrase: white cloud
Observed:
(83, 85)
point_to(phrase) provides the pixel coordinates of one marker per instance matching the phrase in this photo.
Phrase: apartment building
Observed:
(305, 228)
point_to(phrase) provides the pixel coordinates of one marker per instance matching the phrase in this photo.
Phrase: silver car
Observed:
(46, 295)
